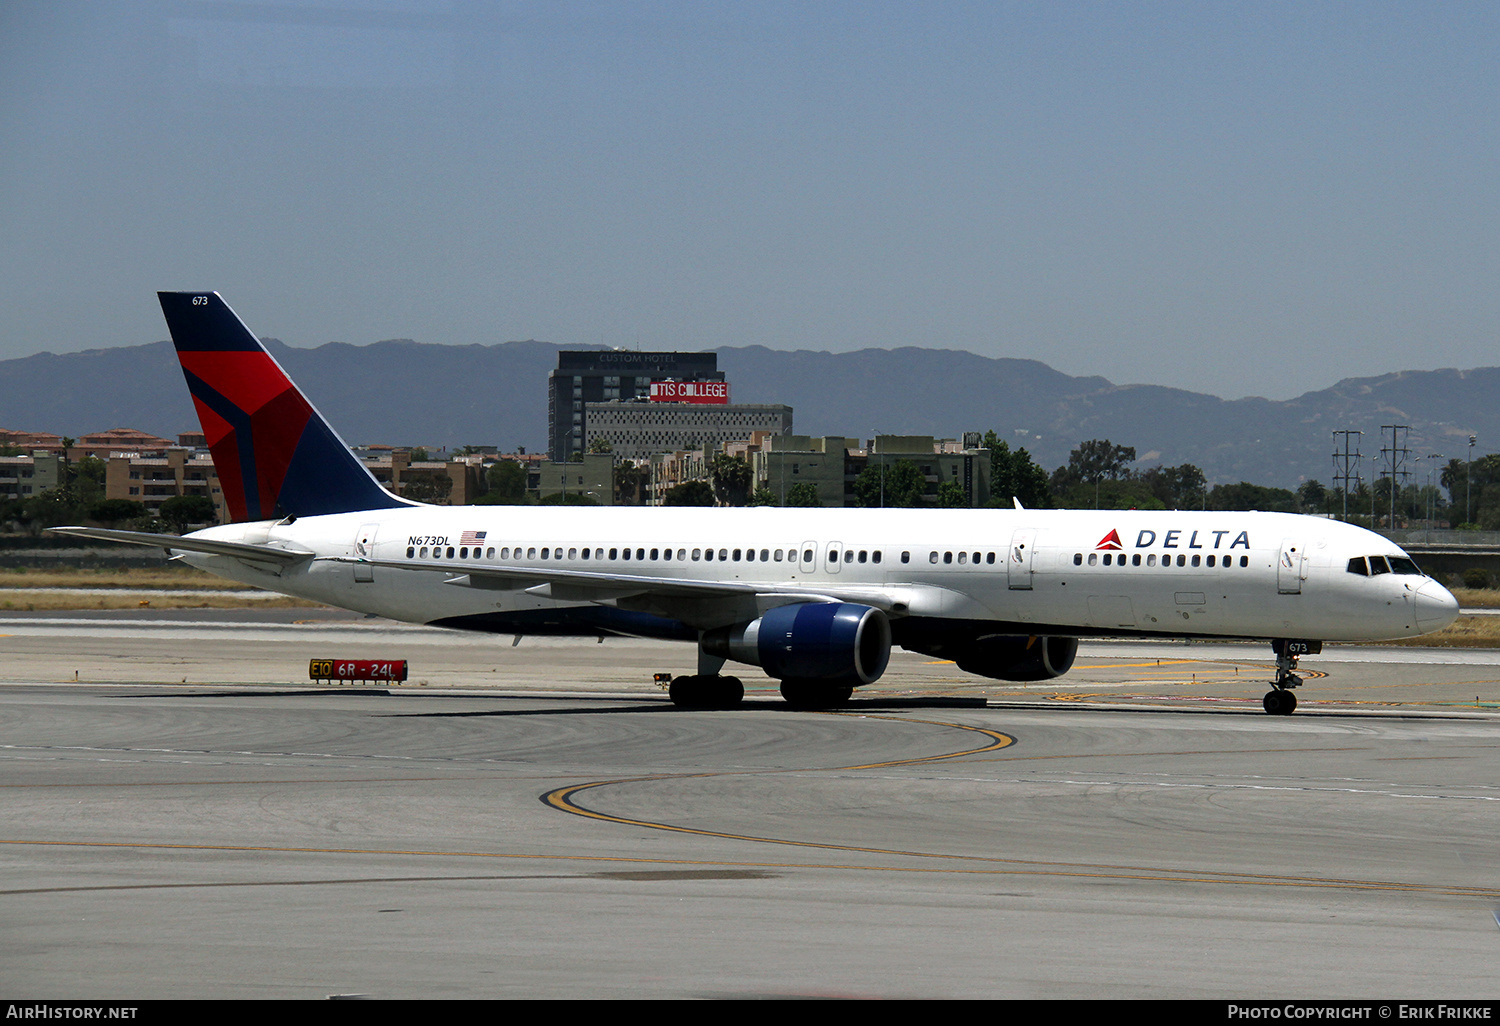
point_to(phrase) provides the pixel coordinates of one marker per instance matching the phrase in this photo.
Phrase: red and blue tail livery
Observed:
(275, 454)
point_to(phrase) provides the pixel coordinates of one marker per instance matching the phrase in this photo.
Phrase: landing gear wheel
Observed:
(706, 692)
(814, 694)
(1279, 703)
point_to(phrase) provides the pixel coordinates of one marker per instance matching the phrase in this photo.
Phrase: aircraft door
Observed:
(1290, 568)
(1019, 562)
(364, 548)
(835, 556)
(809, 560)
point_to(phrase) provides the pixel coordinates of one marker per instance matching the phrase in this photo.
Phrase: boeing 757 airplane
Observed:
(815, 597)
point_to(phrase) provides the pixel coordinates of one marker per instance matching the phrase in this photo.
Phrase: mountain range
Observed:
(402, 392)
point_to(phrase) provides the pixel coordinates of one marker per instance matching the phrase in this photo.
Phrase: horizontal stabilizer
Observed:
(240, 550)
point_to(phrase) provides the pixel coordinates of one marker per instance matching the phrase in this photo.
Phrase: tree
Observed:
(87, 480)
(1247, 496)
(631, 480)
(1181, 487)
(506, 482)
(111, 511)
(1312, 497)
(1014, 475)
(183, 510)
(568, 499)
(51, 508)
(1098, 459)
(731, 478)
(803, 494)
(899, 485)
(762, 496)
(950, 495)
(689, 493)
(435, 488)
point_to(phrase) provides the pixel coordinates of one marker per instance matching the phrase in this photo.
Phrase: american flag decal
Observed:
(471, 537)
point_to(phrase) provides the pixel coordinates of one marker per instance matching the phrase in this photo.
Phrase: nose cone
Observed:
(1436, 607)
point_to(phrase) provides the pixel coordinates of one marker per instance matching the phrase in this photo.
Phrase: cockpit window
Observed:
(1378, 565)
(1403, 565)
(1357, 566)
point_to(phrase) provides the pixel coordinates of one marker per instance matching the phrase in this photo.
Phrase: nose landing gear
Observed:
(1280, 700)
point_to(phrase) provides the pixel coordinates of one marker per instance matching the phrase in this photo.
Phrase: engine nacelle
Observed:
(1018, 658)
(837, 642)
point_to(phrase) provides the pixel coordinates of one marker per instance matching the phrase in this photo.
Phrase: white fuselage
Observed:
(1235, 575)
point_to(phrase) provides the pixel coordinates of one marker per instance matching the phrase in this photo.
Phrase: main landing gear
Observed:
(1280, 700)
(706, 691)
(814, 694)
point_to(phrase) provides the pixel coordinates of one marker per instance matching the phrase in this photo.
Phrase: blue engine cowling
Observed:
(837, 642)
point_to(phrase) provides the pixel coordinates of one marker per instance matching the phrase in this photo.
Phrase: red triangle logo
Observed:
(1111, 541)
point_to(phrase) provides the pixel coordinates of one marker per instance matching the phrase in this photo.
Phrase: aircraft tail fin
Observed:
(275, 454)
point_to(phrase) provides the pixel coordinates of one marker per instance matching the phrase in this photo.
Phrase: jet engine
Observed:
(834, 642)
(1008, 657)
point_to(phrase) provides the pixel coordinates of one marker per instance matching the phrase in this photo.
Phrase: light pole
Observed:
(1431, 487)
(1469, 482)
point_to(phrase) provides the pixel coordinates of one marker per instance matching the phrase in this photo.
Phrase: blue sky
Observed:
(1234, 198)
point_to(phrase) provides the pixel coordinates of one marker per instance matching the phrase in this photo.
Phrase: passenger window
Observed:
(947, 557)
(585, 553)
(614, 553)
(932, 557)
(963, 557)
(1197, 559)
(1151, 559)
(1078, 559)
(625, 553)
(696, 554)
(489, 553)
(572, 553)
(450, 552)
(546, 553)
(736, 555)
(905, 557)
(807, 555)
(423, 552)
(1107, 559)
(1093, 558)
(989, 558)
(875, 556)
(848, 555)
(765, 554)
(410, 552)
(1182, 561)
(682, 554)
(1135, 560)
(863, 555)
(463, 553)
(1244, 561)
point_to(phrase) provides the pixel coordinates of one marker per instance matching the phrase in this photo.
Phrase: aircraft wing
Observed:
(240, 550)
(598, 586)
